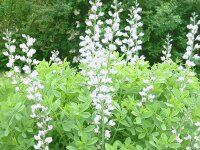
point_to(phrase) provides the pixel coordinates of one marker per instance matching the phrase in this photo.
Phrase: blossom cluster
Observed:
(146, 92)
(132, 42)
(39, 112)
(192, 139)
(10, 53)
(54, 57)
(189, 55)
(175, 132)
(167, 49)
(97, 56)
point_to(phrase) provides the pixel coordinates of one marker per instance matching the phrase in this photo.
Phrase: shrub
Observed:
(69, 103)
(115, 102)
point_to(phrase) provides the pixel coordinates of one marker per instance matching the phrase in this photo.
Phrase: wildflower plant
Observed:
(54, 57)
(111, 103)
(97, 55)
(167, 49)
(186, 79)
(39, 112)
(190, 56)
(192, 43)
(132, 42)
(146, 92)
(10, 53)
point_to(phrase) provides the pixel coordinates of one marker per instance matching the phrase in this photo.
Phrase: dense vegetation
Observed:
(54, 24)
(69, 103)
(114, 98)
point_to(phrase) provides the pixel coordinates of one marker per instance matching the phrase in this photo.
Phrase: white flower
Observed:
(97, 119)
(30, 41)
(39, 144)
(54, 58)
(196, 56)
(189, 137)
(96, 130)
(12, 48)
(17, 89)
(5, 53)
(173, 131)
(178, 139)
(197, 46)
(112, 47)
(181, 79)
(107, 134)
(197, 124)
(111, 123)
(190, 63)
(109, 21)
(151, 96)
(143, 93)
(40, 124)
(188, 148)
(50, 127)
(46, 148)
(48, 140)
(36, 137)
(196, 146)
(34, 74)
(16, 69)
(76, 12)
(26, 69)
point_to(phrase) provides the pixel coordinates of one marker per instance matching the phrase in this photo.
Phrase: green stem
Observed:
(115, 133)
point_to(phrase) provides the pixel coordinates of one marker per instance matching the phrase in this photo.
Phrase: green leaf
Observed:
(139, 147)
(152, 143)
(141, 136)
(68, 125)
(163, 127)
(56, 105)
(18, 116)
(125, 123)
(146, 115)
(71, 148)
(85, 115)
(174, 145)
(56, 93)
(172, 138)
(169, 105)
(89, 128)
(139, 129)
(92, 141)
(138, 120)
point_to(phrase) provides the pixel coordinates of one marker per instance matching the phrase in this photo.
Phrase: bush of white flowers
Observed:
(114, 101)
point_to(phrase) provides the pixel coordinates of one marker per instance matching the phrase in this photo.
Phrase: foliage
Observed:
(69, 103)
(53, 24)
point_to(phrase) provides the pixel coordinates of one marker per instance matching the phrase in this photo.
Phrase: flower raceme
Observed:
(167, 50)
(97, 56)
(190, 56)
(39, 112)
(146, 91)
(10, 53)
(192, 36)
(54, 57)
(186, 78)
(132, 42)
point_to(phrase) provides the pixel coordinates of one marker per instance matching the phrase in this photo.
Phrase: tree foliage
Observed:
(54, 24)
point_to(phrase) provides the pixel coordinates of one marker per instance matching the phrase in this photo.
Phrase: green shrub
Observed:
(69, 102)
